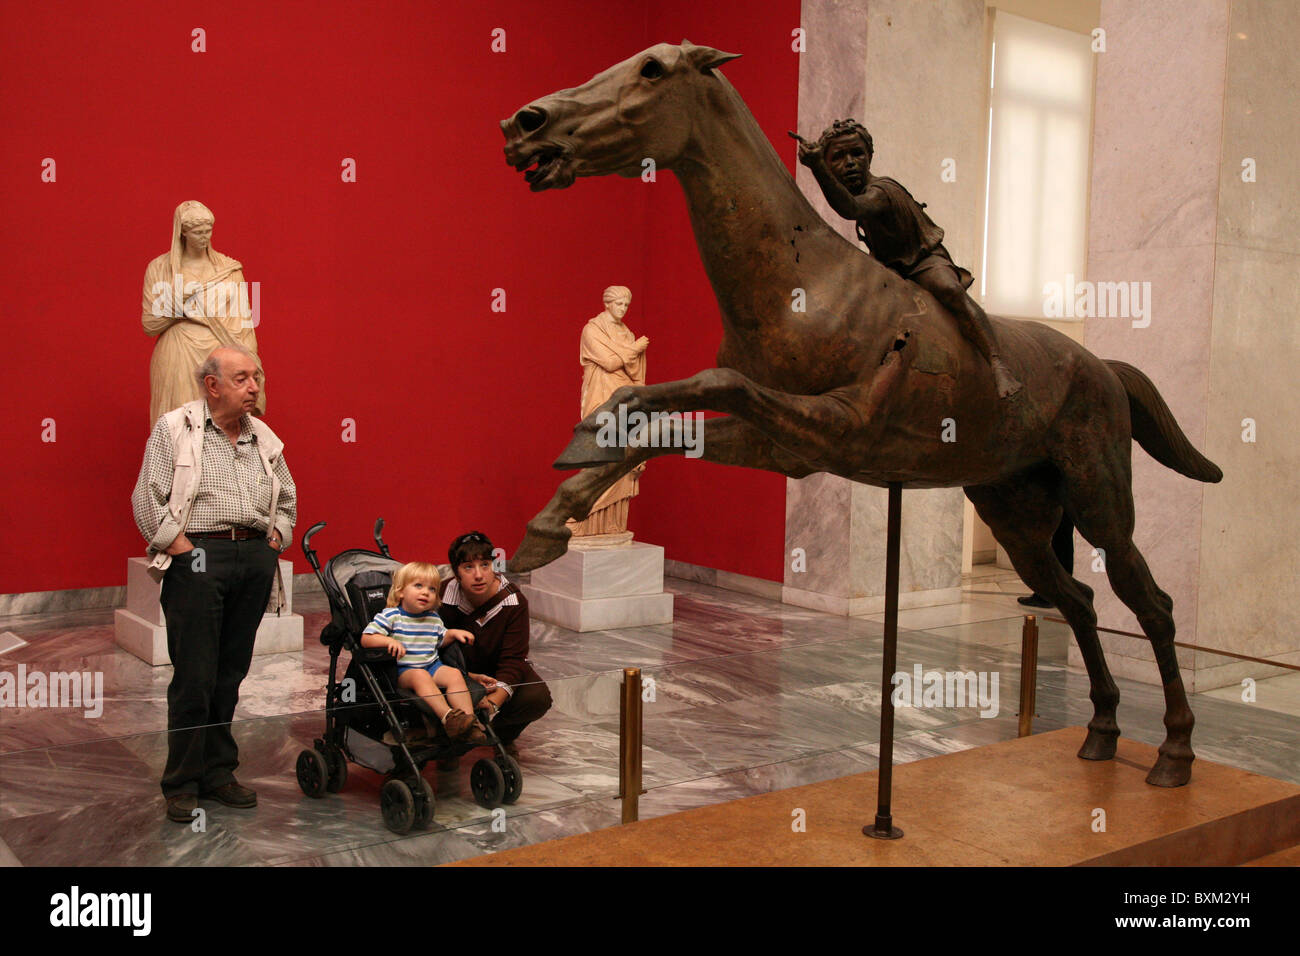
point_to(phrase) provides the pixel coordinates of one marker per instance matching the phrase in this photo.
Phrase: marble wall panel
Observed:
(832, 82)
(1260, 122)
(47, 602)
(930, 546)
(1157, 123)
(817, 510)
(1250, 562)
(1158, 119)
(927, 102)
(915, 75)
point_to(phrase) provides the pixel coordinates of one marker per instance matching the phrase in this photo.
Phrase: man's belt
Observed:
(230, 534)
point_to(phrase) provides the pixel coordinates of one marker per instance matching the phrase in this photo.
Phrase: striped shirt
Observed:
(420, 633)
(234, 490)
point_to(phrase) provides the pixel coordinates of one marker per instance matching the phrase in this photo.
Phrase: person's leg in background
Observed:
(1063, 548)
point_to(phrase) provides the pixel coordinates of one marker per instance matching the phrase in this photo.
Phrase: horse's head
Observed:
(636, 110)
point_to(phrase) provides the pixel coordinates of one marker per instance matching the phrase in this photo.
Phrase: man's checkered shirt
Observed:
(234, 490)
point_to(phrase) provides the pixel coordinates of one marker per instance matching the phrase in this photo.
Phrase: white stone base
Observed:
(602, 614)
(141, 629)
(1130, 668)
(1133, 658)
(601, 589)
(850, 607)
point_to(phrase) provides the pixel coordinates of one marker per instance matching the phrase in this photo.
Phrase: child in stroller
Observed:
(370, 719)
(411, 630)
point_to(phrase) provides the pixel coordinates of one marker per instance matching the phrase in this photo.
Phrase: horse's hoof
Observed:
(538, 548)
(1170, 772)
(585, 451)
(1099, 746)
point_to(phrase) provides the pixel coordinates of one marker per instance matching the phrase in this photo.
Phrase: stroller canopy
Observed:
(340, 571)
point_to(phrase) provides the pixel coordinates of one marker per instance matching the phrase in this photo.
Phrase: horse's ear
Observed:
(705, 58)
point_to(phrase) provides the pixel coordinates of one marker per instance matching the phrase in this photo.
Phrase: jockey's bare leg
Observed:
(944, 285)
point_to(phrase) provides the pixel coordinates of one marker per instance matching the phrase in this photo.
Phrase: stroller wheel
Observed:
(424, 806)
(488, 783)
(514, 778)
(312, 773)
(338, 768)
(397, 805)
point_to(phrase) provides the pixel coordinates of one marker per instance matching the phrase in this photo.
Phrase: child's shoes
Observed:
(458, 723)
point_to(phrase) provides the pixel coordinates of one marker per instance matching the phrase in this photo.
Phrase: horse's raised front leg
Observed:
(724, 441)
(810, 427)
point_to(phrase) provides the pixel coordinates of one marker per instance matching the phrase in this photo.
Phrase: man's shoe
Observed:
(1033, 600)
(233, 795)
(181, 807)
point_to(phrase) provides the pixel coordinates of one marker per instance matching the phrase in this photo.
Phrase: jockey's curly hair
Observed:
(846, 127)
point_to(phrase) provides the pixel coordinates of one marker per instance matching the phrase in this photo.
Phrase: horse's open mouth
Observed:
(543, 168)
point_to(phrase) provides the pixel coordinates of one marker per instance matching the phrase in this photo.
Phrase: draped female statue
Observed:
(611, 357)
(195, 299)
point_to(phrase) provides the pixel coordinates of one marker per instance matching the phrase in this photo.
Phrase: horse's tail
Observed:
(1155, 429)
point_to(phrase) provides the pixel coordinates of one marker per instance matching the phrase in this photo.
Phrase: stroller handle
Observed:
(379, 538)
(307, 549)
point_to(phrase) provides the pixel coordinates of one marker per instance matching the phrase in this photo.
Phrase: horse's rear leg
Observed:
(1023, 514)
(1107, 522)
(1134, 585)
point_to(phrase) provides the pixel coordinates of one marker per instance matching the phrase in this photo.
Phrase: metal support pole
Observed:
(884, 828)
(629, 743)
(1028, 674)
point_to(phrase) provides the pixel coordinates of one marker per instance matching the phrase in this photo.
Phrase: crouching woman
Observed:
(480, 600)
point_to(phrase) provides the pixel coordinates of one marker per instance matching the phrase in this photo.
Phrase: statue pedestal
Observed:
(597, 589)
(141, 629)
(1023, 802)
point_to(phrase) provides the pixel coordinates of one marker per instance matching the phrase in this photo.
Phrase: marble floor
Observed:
(749, 695)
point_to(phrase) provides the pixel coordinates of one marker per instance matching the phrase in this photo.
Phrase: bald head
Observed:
(230, 379)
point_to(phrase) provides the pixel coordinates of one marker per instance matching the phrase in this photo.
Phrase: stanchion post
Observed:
(884, 828)
(1028, 674)
(629, 743)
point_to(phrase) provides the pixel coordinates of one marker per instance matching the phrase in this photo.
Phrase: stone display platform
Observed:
(1024, 802)
(602, 588)
(141, 629)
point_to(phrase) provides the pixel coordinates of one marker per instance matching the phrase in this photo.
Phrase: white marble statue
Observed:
(611, 357)
(195, 299)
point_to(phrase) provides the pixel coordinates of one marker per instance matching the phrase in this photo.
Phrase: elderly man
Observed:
(217, 505)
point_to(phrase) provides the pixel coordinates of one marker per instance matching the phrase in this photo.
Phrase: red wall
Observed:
(375, 295)
(712, 515)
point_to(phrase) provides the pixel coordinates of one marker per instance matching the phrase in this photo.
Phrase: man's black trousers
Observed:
(213, 599)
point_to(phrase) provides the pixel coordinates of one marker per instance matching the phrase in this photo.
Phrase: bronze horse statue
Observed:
(861, 382)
